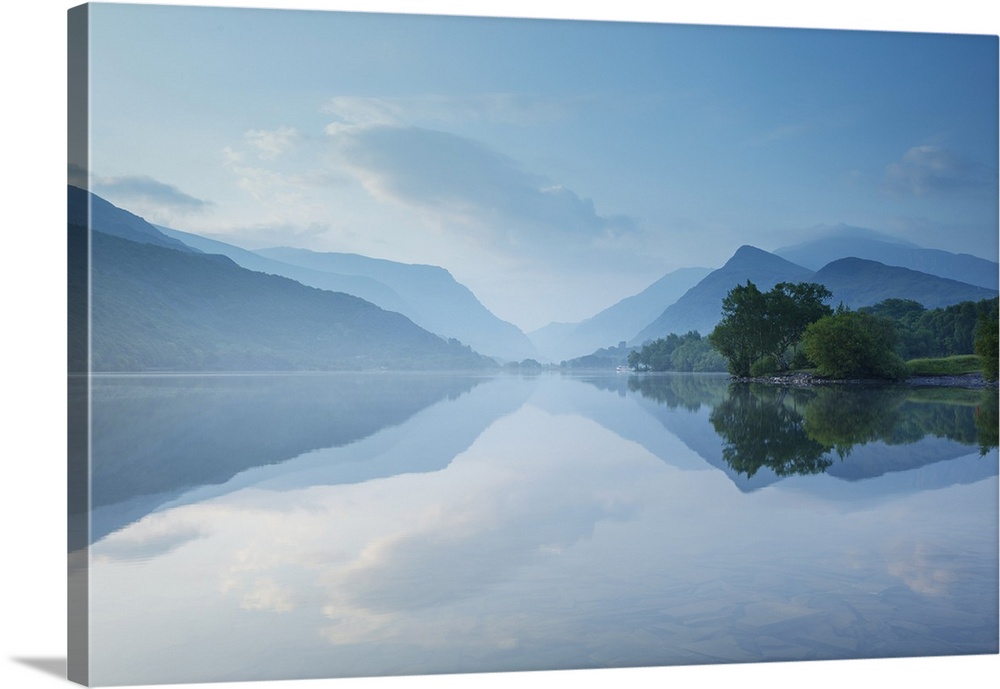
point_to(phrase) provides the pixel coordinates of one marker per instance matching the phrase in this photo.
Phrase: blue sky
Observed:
(554, 167)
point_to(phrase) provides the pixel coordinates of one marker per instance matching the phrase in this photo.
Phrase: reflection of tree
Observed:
(797, 430)
(986, 421)
(841, 419)
(792, 431)
(761, 426)
(685, 391)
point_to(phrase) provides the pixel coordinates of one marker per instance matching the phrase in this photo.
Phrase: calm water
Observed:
(270, 527)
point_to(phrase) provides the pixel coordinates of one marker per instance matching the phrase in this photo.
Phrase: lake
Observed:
(251, 527)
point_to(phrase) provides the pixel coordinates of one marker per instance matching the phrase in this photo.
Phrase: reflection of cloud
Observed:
(152, 537)
(921, 570)
(928, 170)
(470, 550)
(268, 594)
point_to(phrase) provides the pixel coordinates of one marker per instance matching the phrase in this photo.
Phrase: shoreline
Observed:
(973, 381)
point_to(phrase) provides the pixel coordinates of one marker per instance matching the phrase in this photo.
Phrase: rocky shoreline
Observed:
(973, 381)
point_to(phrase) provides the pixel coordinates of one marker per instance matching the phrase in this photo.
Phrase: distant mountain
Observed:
(701, 306)
(853, 281)
(853, 242)
(858, 282)
(358, 285)
(561, 341)
(157, 304)
(115, 221)
(155, 308)
(432, 298)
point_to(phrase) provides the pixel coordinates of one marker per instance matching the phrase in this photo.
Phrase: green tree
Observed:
(854, 344)
(756, 325)
(985, 345)
(790, 309)
(740, 336)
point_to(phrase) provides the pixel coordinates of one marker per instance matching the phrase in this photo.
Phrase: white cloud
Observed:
(273, 143)
(932, 170)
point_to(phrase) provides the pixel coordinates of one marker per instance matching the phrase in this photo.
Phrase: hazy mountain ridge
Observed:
(855, 282)
(851, 242)
(158, 304)
(560, 341)
(115, 221)
(858, 282)
(681, 301)
(357, 285)
(434, 299)
(155, 308)
(700, 308)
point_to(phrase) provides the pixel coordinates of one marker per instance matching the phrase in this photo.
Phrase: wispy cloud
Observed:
(143, 190)
(431, 110)
(472, 186)
(932, 170)
(270, 144)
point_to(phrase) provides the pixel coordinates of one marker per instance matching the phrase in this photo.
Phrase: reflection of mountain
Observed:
(758, 435)
(158, 437)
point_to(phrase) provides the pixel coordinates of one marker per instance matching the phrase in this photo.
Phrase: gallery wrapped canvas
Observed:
(423, 345)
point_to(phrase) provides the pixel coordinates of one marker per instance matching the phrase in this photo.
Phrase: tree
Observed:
(740, 336)
(790, 309)
(756, 325)
(853, 344)
(985, 344)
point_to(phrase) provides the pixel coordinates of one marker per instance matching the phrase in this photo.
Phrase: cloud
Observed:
(135, 190)
(933, 170)
(468, 185)
(270, 144)
(435, 110)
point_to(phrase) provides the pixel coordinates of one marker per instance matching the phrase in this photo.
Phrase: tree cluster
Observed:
(689, 352)
(791, 326)
(854, 344)
(760, 332)
(927, 333)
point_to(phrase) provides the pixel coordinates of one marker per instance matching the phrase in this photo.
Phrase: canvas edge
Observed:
(78, 361)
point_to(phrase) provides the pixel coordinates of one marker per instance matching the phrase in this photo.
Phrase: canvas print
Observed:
(406, 344)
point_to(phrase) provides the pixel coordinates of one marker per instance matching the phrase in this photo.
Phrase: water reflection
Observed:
(791, 430)
(764, 426)
(156, 437)
(542, 522)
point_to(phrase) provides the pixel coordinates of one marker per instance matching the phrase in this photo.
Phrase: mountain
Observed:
(701, 306)
(858, 282)
(433, 299)
(358, 285)
(560, 341)
(115, 221)
(156, 307)
(852, 242)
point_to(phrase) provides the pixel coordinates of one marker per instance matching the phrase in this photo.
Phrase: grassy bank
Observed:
(945, 366)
